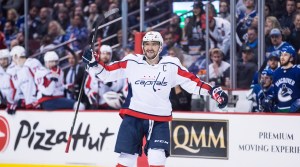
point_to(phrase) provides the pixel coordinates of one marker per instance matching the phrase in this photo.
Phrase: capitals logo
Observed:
(152, 82)
(4, 134)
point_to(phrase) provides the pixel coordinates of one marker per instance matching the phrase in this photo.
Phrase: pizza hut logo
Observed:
(4, 133)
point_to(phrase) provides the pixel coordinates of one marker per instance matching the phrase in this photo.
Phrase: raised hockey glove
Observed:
(89, 58)
(11, 108)
(220, 96)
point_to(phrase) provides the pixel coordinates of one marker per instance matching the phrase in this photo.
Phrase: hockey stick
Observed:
(95, 30)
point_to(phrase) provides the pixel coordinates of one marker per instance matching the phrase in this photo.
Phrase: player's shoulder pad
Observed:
(132, 57)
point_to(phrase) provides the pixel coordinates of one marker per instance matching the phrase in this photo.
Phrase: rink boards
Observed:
(38, 138)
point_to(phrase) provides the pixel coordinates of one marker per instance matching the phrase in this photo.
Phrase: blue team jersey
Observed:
(260, 95)
(286, 87)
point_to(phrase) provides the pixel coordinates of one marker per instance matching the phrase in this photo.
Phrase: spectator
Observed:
(175, 28)
(286, 20)
(63, 18)
(79, 31)
(93, 16)
(271, 22)
(44, 19)
(180, 98)
(252, 41)
(33, 22)
(218, 69)
(50, 85)
(268, 10)
(219, 35)
(170, 42)
(10, 32)
(12, 15)
(224, 10)
(286, 83)
(297, 6)
(245, 68)
(277, 42)
(57, 35)
(195, 30)
(112, 28)
(294, 37)
(245, 19)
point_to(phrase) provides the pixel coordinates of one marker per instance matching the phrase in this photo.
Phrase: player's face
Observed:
(151, 49)
(51, 64)
(4, 62)
(105, 57)
(273, 63)
(266, 80)
(285, 59)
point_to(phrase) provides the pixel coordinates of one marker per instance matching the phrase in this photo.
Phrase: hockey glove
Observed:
(89, 58)
(220, 96)
(11, 108)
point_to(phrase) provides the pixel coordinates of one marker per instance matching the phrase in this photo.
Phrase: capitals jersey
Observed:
(49, 88)
(26, 84)
(7, 87)
(286, 87)
(12, 70)
(149, 86)
(93, 84)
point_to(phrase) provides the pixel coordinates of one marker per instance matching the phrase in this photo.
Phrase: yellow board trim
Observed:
(40, 165)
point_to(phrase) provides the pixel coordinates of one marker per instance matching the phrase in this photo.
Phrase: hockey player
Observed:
(262, 90)
(4, 58)
(8, 92)
(50, 85)
(97, 90)
(24, 76)
(286, 83)
(147, 108)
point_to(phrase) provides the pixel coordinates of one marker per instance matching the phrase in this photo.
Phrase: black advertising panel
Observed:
(200, 138)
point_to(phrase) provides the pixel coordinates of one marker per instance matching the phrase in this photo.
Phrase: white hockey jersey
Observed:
(96, 85)
(150, 85)
(12, 70)
(219, 37)
(25, 81)
(49, 88)
(7, 87)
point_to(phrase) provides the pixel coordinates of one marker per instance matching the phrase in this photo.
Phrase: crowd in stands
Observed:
(37, 78)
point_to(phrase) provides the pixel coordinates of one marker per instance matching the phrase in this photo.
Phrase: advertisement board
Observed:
(206, 139)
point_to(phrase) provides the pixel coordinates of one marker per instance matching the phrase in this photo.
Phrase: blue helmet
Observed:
(288, 49)
(267, 72)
